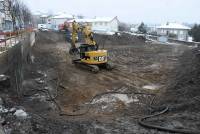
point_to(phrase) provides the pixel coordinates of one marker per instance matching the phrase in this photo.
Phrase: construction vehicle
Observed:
(89, 55)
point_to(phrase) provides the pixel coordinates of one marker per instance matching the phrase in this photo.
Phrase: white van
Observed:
(42, 27)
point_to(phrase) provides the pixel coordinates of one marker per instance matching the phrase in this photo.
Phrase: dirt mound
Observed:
(184, 90)
(49, 37)
(181, 98)
(122, 39)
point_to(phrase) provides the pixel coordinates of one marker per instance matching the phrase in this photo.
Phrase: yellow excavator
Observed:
(89, 55)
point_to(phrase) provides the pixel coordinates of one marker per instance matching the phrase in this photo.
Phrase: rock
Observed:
(12, 110)
(4, 81)
(21, 114)
(3, 110)
(2, 120)
(39, 81)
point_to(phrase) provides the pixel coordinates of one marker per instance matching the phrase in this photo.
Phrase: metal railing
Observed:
(10, 39)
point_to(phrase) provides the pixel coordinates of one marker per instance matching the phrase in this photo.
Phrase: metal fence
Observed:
(9, 39)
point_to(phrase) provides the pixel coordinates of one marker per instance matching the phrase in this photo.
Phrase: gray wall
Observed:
(17, 54)
(13, 60)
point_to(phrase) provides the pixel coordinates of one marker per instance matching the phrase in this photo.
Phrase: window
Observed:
(181, 32)
(175, 31)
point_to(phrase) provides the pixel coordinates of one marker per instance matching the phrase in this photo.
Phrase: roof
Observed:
(37, 13)
(81, 20)
(63, 16)
(173, 26)
(97, 19)
(44, 16)
(104, 19)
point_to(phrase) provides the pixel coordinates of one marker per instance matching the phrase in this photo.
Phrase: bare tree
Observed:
(19, 13)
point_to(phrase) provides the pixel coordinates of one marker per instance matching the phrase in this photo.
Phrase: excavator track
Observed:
(92, 68)
(109, 66)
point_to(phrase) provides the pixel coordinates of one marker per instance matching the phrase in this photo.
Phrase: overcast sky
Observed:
(133, 11)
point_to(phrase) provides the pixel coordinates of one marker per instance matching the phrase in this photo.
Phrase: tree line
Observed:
(195, 32)
(18, 12)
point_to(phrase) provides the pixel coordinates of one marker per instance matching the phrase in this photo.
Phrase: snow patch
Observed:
(3, 110)
(114, 98)
(32, 59)
(136, 99)
(151, 87)
(124, 98)
(12, 110)
(155, 66)
(21, 114)
(173, 26)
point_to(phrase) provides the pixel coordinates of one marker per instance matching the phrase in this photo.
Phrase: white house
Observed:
(105, 24)
(179, 30)
(60, 19)
(39, 18)
(101, 24)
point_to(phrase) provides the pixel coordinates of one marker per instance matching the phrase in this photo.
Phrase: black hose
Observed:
(141, 120)
(150, 126)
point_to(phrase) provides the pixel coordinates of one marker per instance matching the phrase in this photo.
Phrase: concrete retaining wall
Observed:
(17, 54)
(13, 60)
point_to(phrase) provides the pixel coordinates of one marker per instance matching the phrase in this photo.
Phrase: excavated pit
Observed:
(62, 98)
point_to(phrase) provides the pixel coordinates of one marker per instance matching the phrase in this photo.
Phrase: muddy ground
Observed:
(61, 98)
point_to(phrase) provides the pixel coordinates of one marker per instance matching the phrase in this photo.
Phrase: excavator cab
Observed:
(86, 48)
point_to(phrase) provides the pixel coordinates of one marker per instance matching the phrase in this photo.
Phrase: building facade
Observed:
(60, 19)
(105, 25)
(5, 17)
(174, 30)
